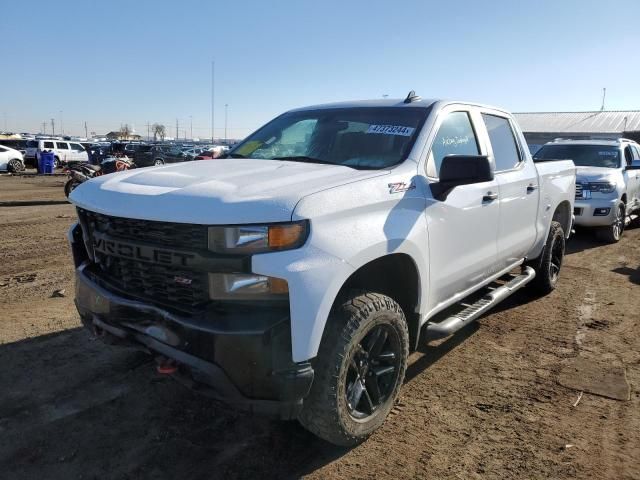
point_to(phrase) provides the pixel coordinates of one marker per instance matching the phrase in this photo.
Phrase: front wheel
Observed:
(359, 369)
(548, 265)
(158, 161)
(613, 233)
(15, 166)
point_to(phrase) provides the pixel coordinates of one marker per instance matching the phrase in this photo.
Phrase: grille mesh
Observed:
(165, 284)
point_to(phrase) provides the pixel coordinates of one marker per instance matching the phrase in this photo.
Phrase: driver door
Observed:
(463, 227)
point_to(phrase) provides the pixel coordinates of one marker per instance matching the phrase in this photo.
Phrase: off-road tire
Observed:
(613, 233)
(325, 412)
(548, 265)
(15, 166)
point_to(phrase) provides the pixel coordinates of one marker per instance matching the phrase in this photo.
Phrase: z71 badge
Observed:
(400, 187)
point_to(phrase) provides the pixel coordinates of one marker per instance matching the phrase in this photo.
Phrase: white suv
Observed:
(64, 151)
(607, 181)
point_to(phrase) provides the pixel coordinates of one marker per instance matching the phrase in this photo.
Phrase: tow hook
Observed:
(166, 366)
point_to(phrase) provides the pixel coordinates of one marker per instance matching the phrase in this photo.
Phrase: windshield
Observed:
(368, 137)
(582, 155)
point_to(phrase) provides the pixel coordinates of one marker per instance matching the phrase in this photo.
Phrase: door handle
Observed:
(489, 197)
(532, 188)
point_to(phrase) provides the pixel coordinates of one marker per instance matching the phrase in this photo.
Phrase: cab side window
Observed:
(503, 142)
(455, 137)
(48, 145)
(62, 146)
(628, 155)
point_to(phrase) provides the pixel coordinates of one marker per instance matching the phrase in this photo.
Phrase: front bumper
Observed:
(240, 356)
(584, 211)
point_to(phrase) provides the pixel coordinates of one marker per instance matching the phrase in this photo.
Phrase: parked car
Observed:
(295, 276)
(11, 160)
(148, 155)
(608, 181)
(63, 151)
(213, 152)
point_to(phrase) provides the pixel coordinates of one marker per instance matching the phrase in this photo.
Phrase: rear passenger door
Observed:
(63, 152)
(518, 189)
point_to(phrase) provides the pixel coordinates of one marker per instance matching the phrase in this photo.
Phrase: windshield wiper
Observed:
(305, 159)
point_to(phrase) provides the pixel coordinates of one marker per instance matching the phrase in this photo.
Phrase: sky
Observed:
(112, 62)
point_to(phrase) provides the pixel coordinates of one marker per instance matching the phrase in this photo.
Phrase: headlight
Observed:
(602, 187)
(258, 238)
(232, 286)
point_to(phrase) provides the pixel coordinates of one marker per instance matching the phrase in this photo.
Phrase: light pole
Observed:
(61, 123)
(226, 107)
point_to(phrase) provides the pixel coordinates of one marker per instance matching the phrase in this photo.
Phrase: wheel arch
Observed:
(563, 215)
(395, 275)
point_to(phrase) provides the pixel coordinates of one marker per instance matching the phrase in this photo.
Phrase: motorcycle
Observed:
(80, 172)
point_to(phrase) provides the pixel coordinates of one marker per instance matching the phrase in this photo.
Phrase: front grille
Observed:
(578, 190)
(180, 287)
(179, 235)
(161, 283)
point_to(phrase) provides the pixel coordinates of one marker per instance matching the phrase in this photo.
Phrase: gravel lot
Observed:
(494, 401)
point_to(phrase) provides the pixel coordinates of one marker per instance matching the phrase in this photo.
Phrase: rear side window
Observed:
(455, 137)
(505, 149)
(48, 145)
(62, 146)
(636, 152)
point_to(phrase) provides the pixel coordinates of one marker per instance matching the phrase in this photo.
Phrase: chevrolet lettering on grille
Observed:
(143, 253)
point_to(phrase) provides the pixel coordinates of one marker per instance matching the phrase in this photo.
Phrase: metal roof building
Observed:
(542, 127)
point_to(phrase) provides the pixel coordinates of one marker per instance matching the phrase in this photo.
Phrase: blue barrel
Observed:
(47, 162)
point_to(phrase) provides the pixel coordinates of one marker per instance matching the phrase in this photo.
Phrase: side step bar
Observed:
(455, 322)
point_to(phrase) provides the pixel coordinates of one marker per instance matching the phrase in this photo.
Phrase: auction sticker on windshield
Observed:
(391, 130)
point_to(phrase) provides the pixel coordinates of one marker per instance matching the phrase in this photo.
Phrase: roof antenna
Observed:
(412, 97)
(604, 95)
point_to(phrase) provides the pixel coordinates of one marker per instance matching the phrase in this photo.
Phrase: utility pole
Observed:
(604, 96)
(44, 127)
(148, 131)
(53, 127)
(213, 126)
(226, 107)
(61, 124)
(85, 130)
(191, 126)
(177, 136)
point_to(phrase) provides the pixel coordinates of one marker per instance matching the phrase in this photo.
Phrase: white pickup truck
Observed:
(296, 275)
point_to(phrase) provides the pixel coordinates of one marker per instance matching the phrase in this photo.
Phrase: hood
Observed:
(594, 174)
(229, 191)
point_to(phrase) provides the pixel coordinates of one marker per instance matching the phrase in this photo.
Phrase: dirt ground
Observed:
(489, 402)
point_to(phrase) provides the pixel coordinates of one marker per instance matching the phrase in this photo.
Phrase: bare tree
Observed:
(159, 130)
(125, 132)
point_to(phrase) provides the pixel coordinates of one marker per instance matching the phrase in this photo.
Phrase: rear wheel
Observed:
(548, 265)
(613, 233)
(359, 369)
(56, 162)
(70, 186)
(158, 161)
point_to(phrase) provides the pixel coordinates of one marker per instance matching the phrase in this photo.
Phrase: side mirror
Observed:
(635, 165)
(456, 170)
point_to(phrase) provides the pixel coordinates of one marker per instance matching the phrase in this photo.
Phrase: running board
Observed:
(469, 313)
